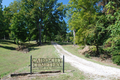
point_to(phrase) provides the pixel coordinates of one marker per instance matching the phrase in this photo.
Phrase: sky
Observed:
(7, 2)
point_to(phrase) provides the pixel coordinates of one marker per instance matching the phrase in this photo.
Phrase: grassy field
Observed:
(15, 61)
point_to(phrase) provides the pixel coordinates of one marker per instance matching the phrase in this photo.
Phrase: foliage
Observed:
(96, 23)
(87, 22)
(93, 22)
(39, 20)
(81, 20)
(114, 30)
(43, 18)
(1, 24)
(7, 18)
(116, 56)
(87, 55)
(62, 32)
(18, 27)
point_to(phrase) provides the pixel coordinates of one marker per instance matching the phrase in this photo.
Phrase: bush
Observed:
(93, 51)
(116, 57)
(102, 52)
(87, 55)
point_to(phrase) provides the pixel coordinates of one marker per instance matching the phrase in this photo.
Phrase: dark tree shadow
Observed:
(32, 47)
(6, 42)
(46, 43)
(65, 43)
(7, 47)
(23, 47)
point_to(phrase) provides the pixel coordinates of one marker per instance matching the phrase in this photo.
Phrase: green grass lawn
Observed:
(16, 61)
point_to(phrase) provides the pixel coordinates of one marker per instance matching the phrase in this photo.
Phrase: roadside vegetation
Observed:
(96, 23)
(76, 50)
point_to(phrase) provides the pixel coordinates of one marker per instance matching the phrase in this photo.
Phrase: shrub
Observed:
(87, 55)
(93, 51)
(103, 53)
(116, 57)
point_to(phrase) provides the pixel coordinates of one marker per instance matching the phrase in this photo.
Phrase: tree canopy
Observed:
(25, 20)
(96, 22)
(93, 22)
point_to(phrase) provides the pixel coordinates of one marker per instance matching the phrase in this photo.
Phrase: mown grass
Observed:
(12, 61)
(74, 74)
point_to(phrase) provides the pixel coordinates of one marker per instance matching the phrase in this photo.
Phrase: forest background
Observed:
(90, 22)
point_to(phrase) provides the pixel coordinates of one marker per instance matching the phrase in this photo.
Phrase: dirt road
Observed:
(96, 71)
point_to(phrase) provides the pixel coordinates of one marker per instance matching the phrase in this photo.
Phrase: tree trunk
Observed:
(97, 53)
(14, 40)
(4, 37)
(37, 37)
(36, 40)
(29, 41)
(40, 35)
(42, 39)
(39, 29)
(45, 38)
(74, 37)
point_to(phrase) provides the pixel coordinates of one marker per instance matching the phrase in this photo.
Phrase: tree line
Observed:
(93, 22)
(96, 22)
(40, 20)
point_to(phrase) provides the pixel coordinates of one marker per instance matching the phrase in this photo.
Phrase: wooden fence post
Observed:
(63, 63)
(31, 64)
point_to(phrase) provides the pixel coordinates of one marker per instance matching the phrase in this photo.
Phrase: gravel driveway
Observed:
(96, 71)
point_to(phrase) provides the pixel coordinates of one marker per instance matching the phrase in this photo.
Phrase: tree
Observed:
(54, 22)
(98, 34)
(35, 19)
(87, 20)
(45, 15)
(18, 27)
(1, 23)
(15, 6)
(106, 10)
(81, 14)
(96, 22)
(113, 17)
(7, 17)
(38, 9)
